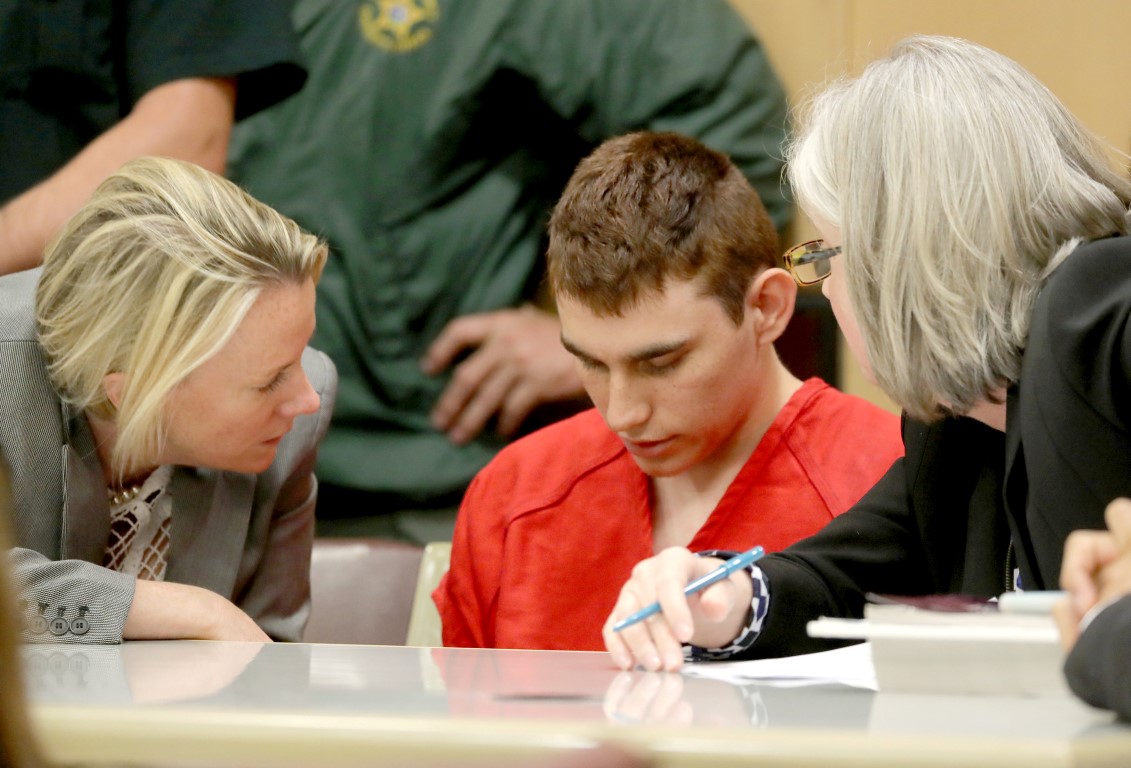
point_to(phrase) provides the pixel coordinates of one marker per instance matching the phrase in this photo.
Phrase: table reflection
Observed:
(334, 679)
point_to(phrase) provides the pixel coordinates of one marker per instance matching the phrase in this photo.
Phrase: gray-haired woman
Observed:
(975, 250)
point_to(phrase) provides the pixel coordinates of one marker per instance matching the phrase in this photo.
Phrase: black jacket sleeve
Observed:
(1099, 667)
(1073, 416)
(933, 524)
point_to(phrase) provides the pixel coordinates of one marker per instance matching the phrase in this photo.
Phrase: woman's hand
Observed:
(1096, 569)
(159, 673)
(709, 619)
(166, 611)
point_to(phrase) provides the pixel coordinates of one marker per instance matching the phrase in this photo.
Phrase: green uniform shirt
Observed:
(428, 146)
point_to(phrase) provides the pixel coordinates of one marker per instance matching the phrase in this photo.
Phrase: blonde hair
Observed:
(958, 183)
(150, 279)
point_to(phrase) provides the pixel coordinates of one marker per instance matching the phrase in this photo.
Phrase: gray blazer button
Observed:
(37, 624)
(59, 625)
(79, 625)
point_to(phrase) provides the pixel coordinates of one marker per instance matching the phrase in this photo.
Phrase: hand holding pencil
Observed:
(710, 617)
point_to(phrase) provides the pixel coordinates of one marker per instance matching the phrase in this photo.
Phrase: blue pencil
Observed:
(736, 563)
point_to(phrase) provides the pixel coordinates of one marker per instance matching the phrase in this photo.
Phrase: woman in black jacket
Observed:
(974, 244)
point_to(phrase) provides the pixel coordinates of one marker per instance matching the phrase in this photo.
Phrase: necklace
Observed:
(126, 493)
(122, 496)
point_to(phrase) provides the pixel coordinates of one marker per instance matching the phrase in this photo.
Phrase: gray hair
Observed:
(150, 279)
(959, 183)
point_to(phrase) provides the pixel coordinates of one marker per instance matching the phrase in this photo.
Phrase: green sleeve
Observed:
(691, 66)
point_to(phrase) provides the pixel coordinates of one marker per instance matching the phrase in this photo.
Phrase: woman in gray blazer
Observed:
(161, 411)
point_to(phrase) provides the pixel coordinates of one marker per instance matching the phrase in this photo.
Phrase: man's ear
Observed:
(770, 300)
(113, 384)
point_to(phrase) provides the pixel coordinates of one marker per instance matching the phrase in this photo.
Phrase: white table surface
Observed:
(214, 703)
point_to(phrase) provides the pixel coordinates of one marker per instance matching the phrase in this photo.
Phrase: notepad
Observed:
(926, 651)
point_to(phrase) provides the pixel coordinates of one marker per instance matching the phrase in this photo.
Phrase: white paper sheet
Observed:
(851, 665)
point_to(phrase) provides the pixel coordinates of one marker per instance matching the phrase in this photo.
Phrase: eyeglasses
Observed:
(809, 262)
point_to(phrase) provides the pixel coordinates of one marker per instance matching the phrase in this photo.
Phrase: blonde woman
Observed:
(161, 411)
(976, 254)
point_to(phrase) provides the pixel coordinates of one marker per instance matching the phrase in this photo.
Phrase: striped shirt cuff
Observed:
(759, 606)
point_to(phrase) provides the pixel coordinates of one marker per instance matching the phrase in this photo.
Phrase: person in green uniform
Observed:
(428, 146)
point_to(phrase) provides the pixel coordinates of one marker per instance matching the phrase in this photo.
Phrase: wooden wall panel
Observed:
(1079, 50)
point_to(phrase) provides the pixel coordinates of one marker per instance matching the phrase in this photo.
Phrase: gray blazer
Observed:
(246, 537)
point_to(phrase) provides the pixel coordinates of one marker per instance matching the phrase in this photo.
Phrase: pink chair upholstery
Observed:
(361, 591)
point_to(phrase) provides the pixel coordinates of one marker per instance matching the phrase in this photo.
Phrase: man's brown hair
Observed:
(647, 208)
